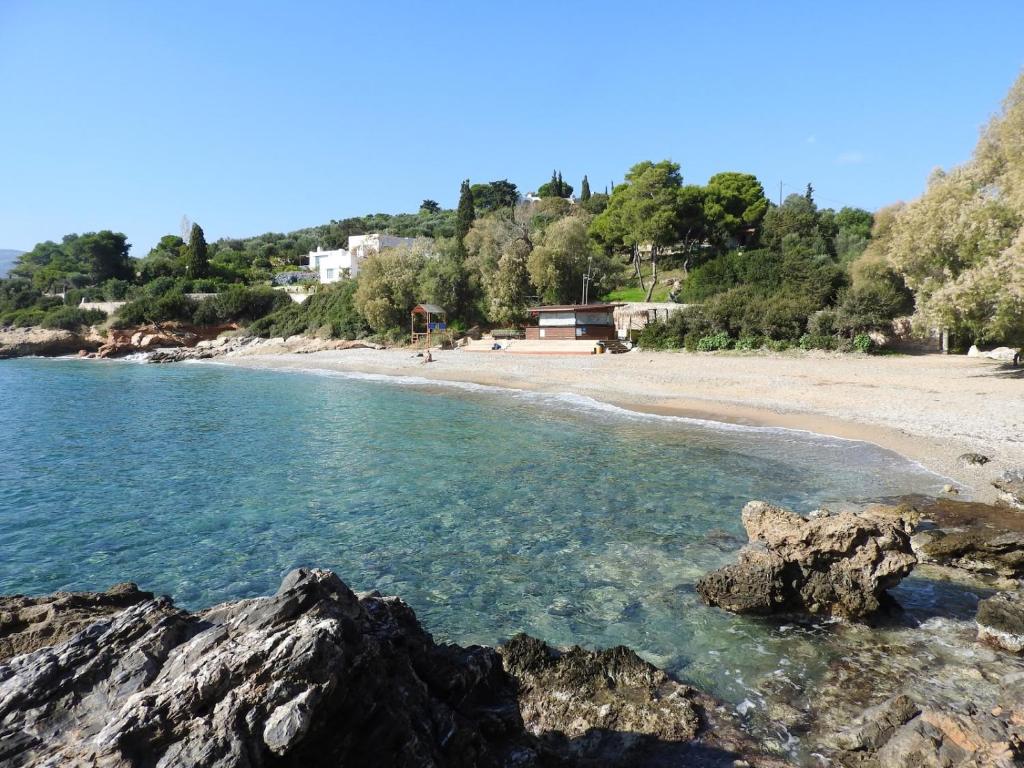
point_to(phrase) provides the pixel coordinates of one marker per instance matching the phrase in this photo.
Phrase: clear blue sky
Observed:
(253, 116)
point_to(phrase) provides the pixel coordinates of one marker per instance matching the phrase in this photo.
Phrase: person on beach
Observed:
(427, 358)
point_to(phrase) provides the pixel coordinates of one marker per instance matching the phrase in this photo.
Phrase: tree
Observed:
(494, 195)
(464, 216)
(809, 193)
(105, 253)
(564, 254)
(499, 248)
(643, 214)
(556, 187)
(430, 206)
(585, 190)
(734, 206)
(165, 259)
(389, 286)
(197, 261)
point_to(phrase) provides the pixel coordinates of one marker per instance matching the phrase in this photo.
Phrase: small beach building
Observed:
(426, 321)
(584, 322)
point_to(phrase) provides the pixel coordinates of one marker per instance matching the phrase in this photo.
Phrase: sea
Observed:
(489, 511)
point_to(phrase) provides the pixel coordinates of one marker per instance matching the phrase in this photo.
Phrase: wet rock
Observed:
(876, 725)
(317, 676)
(899, 734)
(1001, 621)
(973, 459)
(29, 623)
(1011, 487)
(840, 565)
(981, 550)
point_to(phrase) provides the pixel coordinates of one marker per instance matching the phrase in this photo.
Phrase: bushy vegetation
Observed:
(329, 312)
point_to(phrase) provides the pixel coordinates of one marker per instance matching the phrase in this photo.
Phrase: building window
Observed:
(329, 273)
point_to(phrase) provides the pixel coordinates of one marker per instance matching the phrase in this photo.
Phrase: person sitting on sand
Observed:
(427, 358)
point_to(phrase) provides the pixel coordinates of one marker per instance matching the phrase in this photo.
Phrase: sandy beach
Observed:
(929, 408)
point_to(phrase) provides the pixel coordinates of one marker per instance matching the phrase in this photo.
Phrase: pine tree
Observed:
(464, 216)
(584, 190)
(197, 262)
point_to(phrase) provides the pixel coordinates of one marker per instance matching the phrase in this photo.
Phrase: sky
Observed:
(251, 117)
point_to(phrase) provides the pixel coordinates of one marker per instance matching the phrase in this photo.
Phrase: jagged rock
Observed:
(839, 565)
(1011, 487)
(1001, 621)
(973, 459)
(981, 550)
(316, 676)
(876, 725)
(28, 623)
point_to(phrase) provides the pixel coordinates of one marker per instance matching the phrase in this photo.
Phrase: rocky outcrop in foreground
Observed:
(899, 734)
(839, 565)
(316, 676)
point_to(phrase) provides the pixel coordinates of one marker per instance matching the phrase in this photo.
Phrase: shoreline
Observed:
(678, 385)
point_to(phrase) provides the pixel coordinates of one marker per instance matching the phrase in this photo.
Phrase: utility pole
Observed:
(586, 280)
(780, 194)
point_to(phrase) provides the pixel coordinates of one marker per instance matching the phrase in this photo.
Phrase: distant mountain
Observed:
(7, 259)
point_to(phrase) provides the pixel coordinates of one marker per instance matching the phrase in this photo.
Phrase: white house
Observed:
(338, 264)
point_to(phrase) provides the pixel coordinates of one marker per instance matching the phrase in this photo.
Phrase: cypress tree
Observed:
(809, 193)
(561, 186)
(464, 216)
(585, 189)
(197, 261)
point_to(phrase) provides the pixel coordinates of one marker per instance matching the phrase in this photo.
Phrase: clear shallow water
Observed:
(490, 513)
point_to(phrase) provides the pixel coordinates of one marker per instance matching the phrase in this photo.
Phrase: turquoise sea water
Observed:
(489, 512)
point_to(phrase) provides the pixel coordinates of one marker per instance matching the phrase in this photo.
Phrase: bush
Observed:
(817, 341)
(173, 305)
(332, 308)
(822, 323)
(714, 343)
(749, 342)
(658, 336)
(778, 345)
(246, 304)
(72, 318)
(863, 343)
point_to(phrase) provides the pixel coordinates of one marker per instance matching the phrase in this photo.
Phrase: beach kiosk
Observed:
(582, 322)
(425, 320)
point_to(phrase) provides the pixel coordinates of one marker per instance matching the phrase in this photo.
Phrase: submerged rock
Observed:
(839, 565)
(1001, 621)
(28, 623)
(316, 676)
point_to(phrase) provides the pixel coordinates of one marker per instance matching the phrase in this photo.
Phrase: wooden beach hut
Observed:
(427, 320)
(583, 322)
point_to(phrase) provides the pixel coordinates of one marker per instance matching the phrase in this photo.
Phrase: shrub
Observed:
(863, 343)
(173, 305)
(658, 336)
(822, 323)
(817, 341)
(246, 304)
(714, 343)
(72, 318)
(749, 342)
(778, 345)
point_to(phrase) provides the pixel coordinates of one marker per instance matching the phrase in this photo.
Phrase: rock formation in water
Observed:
(316, 676)
(22, 342)
(982, 550)
(1001, 621)
(838, 565)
